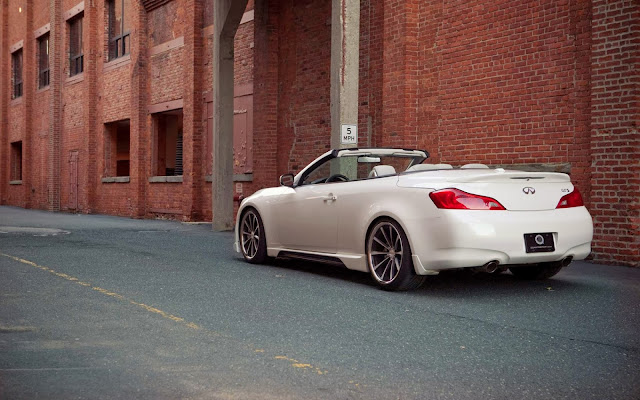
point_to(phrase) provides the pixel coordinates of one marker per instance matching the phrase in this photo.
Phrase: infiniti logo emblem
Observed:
(539, 239)
(529, 190)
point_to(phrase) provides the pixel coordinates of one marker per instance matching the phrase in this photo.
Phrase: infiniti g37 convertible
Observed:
(388, 212)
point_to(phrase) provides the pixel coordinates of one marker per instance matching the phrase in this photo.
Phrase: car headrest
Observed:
(444, 166)
(474, 166)
(382, 170)
(429, 167)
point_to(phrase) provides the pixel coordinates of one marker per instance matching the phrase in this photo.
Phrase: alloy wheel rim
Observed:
(250, 233)
(385, 251)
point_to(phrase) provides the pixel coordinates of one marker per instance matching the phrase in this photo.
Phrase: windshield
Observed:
(359, 166)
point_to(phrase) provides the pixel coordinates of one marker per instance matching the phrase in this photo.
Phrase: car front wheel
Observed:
(389, 257)
(252, 239)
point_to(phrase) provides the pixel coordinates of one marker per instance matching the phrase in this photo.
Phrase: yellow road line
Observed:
(294, 363)
(298, 364)
(105, 292)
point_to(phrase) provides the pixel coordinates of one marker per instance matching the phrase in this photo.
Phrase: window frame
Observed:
(160, 134)
(17, 63)
(117, 45)
(76, 60)
(112, 131)
(16, 161)
(44, 75)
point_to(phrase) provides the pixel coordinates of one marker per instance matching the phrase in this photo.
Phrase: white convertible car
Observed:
(388, 212)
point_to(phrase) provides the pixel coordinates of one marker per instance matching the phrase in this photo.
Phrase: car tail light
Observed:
(454, 199)
(573, 199)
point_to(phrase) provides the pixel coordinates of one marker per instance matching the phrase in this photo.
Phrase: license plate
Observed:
(539, 242)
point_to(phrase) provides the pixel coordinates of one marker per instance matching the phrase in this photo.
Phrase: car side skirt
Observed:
(357, 262)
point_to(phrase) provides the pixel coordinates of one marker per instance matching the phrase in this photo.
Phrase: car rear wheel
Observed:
(252, 239)
(537, 272)
(389, 257)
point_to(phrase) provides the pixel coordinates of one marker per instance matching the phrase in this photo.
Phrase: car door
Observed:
(308, 218)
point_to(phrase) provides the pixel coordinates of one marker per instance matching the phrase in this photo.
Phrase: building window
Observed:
(168, 143)
(76, 57)
(16, 63)
(43, 61)
(119, 35)
(16, 161)
(117, 148)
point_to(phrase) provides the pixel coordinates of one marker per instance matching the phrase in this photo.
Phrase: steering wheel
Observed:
(337, 178)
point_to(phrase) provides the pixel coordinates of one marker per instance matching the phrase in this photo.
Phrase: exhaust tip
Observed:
(566, 261)
(491, 266)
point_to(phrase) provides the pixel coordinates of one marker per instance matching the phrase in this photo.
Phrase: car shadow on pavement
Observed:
(329, 270)
(463, 283)
(452, 283)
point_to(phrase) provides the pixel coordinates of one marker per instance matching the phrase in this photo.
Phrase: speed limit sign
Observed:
(349, 134)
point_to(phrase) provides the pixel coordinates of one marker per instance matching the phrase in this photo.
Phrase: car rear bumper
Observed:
(467, 238)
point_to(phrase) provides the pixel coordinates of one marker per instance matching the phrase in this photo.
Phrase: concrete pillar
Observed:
(345, 57)
(227, 16)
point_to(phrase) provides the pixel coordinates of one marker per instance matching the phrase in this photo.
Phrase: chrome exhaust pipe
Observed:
(566, 261)
(491, 266)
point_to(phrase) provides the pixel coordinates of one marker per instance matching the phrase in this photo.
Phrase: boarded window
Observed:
(16, 161)
(150, 5)
(165, 23)
(43, 61)
(16, 67)
(119, 30)
(168, 143)
(76, 57)
(117, 148)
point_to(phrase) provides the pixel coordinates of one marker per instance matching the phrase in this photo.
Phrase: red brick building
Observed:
(105, 105)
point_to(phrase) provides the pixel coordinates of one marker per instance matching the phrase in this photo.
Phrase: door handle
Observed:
(330, 197)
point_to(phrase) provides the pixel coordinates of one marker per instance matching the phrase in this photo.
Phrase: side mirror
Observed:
(286, 180)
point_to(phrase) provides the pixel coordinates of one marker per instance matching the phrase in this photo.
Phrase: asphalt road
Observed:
(101, 307)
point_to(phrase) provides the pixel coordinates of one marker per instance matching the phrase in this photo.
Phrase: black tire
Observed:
(538, 271)
(390, 264)
(251, 236)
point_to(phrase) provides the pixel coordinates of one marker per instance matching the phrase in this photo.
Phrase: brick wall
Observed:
(39, 155)
(115, 104)
(471, 81)
(167, 22)
(73, 140)
(167, 76)
(304, 116)
(506, 84)
(615, 140)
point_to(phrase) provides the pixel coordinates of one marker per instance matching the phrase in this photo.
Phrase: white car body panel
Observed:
(332, 219)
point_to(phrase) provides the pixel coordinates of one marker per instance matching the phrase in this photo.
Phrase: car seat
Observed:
(382, 170)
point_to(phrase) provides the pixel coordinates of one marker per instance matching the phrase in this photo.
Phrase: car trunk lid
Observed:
(515, 190)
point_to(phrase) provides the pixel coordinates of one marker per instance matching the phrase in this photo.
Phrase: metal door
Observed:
(73, 180)
(242, 131)
(243, 134)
